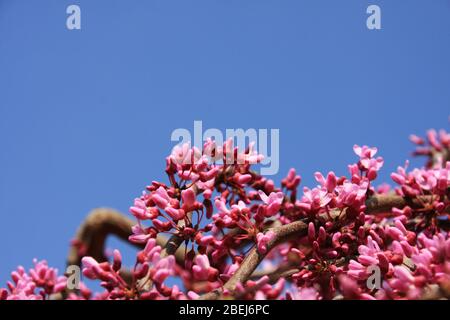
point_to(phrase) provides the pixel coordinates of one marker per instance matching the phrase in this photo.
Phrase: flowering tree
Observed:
(220, 230)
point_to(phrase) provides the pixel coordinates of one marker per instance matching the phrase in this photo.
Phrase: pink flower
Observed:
(367, 162)
(163, 269)
(151, 252)
(398, 178)
(374, 164)
(423, 180)
(308, 293)
(417, 140)
(175, 214)
(91, 268)
(311, 232)
(141, 212)
(314, 199)
(263, 240)
(351, 194)
(41, 278)
(403, 274)
(329, 183)
(273, 202)
(292, 180)
(193, 296)
(140, 235)
(433, 139)
(242, 178)
(161, 198)
(249, 157)
(185, 155)
(202, 270)
(364, 151)
(220, 204)
(224, 215)
(181, 154)
(189, 200)
(211, 150)
(209, 175)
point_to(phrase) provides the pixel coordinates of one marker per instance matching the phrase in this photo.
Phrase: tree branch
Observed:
(284, 271)
(92, 234)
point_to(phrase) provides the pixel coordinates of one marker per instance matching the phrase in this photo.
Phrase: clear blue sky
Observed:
(86, 116)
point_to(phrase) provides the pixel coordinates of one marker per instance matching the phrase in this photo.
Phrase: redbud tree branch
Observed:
(285, 270)
(100, 223)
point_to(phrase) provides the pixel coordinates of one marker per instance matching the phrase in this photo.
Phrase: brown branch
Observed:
(286, 270)
(385, 203)
(172, 246)
(92, 234)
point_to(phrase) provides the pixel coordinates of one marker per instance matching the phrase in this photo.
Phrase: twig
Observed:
(284, 271)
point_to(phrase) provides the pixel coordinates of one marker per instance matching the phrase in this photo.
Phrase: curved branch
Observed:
(92, 234)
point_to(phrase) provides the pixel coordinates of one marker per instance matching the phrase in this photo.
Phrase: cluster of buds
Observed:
(409, 266)
(40, 283)
(150, 267)
(343, 193)
(435, 147)
(434, 181)
(216, 211)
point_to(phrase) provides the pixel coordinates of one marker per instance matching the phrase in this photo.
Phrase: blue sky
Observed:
(86, 115)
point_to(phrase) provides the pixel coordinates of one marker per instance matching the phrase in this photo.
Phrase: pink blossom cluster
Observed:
(216, 210)
(40, 283)
(149, 267)
(341, 192)
(409, 266)
(435, 147)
